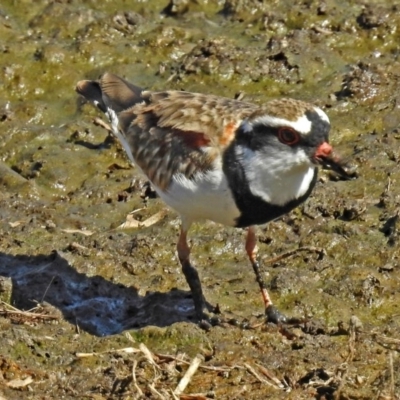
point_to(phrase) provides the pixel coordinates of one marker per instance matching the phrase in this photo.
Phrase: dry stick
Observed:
(392, 393)
(77, 328)
(131, 222)
(194, 365)
(258, 377)
(28, 314)
(10, 306)
(167, 357)
(291, 252)
(172, 77)
(173, 395)
(270, 376)
(47, 289)
(129, 337)
(148, 355)
(19, 383)
(36, 308)
(128, 350)
(349, 359)
(156, 369)
(134, 378)
(99, 122)
(155, 392)
(387, 342)
(352, 342)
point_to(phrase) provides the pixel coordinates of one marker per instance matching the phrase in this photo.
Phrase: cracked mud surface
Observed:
(66, 187)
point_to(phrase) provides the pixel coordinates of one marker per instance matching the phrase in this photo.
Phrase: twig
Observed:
(9, 305)
(148, 355)
(167, 357)
(128, 350)
(77, 328)
(15, 312)
(155, 392)
(258, 377)
(19, 383)
(47, 289)
(270, 376)
(194, 365)
(321, 252)
(129, 337)
(134, 378)
(83, 232)
(174, 395)
(387, 342)
(131, 222)
(349, 359)
(99, 122)
(172, 77)
(392, 393)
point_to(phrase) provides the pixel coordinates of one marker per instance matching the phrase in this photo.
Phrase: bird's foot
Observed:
(206, 314)
(208, 319)
(275, 316)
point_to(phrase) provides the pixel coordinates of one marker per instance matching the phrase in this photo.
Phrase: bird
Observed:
(212, 158)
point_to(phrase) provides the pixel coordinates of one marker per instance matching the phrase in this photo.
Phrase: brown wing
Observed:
(170, 132)
(180, 132)
(196, 112)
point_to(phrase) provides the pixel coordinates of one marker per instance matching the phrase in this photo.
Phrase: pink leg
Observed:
(271, 312)
(182, 247)
(190, 272)
(252, 251)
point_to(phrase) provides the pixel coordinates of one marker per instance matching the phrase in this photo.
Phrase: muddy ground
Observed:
(76, 288)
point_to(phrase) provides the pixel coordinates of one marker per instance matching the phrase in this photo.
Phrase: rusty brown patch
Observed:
(228, 133)
(193, 140)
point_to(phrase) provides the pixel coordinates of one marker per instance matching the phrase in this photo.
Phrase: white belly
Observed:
(207, 196)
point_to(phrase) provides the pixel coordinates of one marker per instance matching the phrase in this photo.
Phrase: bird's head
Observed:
(292, 133)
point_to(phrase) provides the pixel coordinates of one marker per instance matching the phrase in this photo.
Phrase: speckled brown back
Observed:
(289, 109)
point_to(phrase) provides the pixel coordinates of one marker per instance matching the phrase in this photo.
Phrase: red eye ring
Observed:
(289, 136)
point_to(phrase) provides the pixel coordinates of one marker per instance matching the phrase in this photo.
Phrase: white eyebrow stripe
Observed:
(322, 114)
(301, 125)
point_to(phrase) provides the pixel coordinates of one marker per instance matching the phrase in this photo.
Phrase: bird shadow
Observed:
(107, 143)
(93, 303)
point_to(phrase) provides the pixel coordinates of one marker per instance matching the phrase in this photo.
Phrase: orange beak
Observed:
(325, 156)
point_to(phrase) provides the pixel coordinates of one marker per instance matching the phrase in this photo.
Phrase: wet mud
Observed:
(77, 290)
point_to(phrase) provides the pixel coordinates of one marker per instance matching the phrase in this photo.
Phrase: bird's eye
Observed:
(288, 136)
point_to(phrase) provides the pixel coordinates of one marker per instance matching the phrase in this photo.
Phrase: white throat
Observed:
(279, 180)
